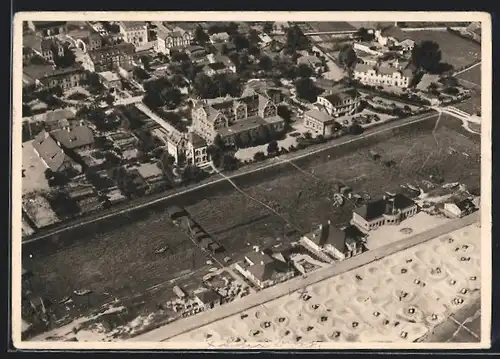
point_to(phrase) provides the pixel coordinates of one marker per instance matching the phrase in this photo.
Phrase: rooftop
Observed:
(129, 25)
(207, 296)
(383, 206)
(319, 115)
(50, 152)
(109, 76)
(76, 137)
(243, 125)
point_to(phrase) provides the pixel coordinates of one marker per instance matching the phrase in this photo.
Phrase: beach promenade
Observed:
(185, 325)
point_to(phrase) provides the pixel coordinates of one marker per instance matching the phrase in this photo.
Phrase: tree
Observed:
(306, 90)
(304, 71)
(272, 147)
(203, 85)
(240, 42)
(253, 37)
(347, 56)
(296, 40)
(146, 61)
(219, 143)
(426, 56)
(66, 60)
(285, 113)
(356, 129)
(259, 156)
(264, 134)
(265, 63)
(268, 28)
(232, 28)
(363, 35)
(200, 36)
(228, 162)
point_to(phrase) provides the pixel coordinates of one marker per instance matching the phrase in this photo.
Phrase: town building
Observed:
(49, 47)
(66, 78)
(383, 75)
(215, 68)
(76, 138)
(459, 208)
(369, 48)
(47, 28)
(110, 80)
(340, 101)
(172, 38)
(320, 123)
(134, 32)
(188, 148)
(207, 298)
(394, 36)
(226, 61)
(263, 270)
(219, 37)
(313, 62)
(232, 117)
(390, 210)
(112, 57)
(337, 243)
(51, 154)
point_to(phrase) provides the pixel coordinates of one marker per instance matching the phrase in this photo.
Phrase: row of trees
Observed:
(161, 92)
(218, 86)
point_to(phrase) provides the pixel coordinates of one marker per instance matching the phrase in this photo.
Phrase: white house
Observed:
(134, 32)
(382, 75)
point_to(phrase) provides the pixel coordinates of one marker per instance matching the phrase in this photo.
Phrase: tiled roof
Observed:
(243, 125)
(49, 151)
(338, 95)
(77, 137)
(196, 140)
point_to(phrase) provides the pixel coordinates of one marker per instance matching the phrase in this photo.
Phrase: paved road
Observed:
(187, 324)
(145, 202)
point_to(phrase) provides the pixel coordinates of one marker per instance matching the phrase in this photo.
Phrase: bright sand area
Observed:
(367, 304)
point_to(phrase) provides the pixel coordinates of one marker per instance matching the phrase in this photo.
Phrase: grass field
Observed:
(455, 50)
(472, 76)
(331, 26)
(121, 262)
(472, 105)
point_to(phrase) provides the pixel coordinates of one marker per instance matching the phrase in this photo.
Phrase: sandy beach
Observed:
(400, 298)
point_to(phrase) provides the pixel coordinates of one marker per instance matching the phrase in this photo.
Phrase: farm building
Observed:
(179, 292)
(388, 210)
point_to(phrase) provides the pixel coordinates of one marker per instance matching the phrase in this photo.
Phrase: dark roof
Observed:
(267, 270)
(49, 151)
(176, 211)
(328, 234)
(465, 204)
(338, 95)
(196, 140)
(217, 66)
(382, 206)
(76, 137)
(208, 296)
(41, 25)
(351, 231)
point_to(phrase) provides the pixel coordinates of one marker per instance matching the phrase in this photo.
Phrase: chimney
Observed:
(320, 227)
(256, 248)
(384, 197)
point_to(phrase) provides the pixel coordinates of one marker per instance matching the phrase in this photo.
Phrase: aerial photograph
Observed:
(240, 183)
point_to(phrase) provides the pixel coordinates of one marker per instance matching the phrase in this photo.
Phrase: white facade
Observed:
(453, 209)
(374, 77)
(136, 34)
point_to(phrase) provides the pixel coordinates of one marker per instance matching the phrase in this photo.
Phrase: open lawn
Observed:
(471, 77)
(455, 50)
(472, 105)
(330, 26)
(121, 262)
